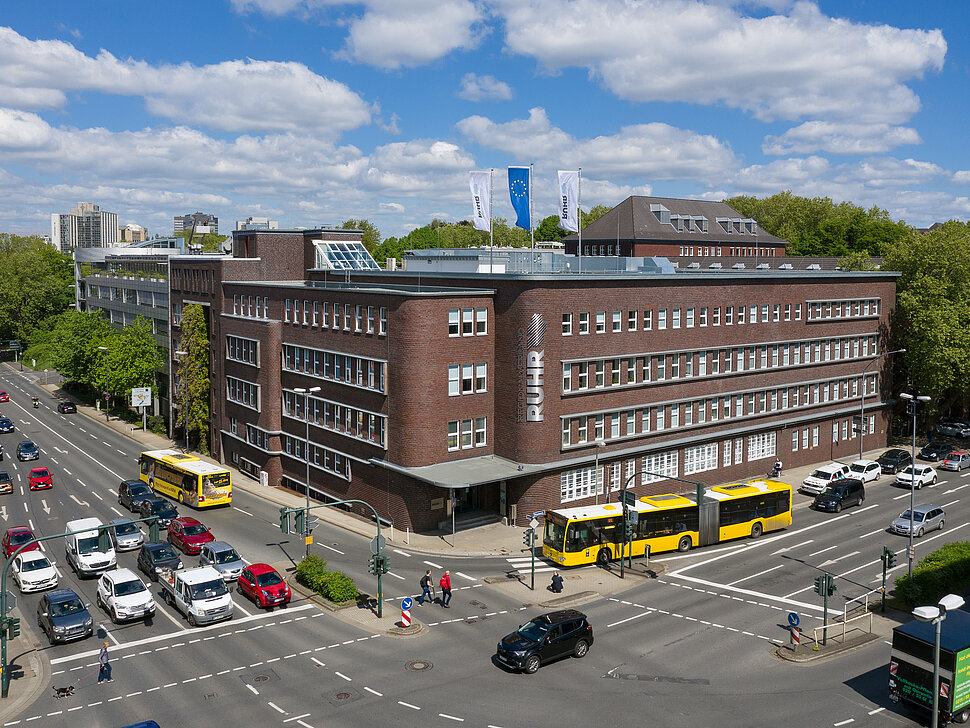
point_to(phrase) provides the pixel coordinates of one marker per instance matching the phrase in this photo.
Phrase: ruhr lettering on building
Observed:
(535, 369)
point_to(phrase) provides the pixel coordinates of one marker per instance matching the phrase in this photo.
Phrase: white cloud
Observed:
(884, 172)
(654, 150)
(782, 66)
(834, 138)
(782, 174)
(395, 207)
(961, 177)
(285, 96)
(484, 88)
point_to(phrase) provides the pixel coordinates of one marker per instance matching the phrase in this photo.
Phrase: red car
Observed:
(39, 479)
(264, 585)
(4, 397)
(16, 536)
(188, 534)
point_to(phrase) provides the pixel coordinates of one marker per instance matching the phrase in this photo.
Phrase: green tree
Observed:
(73, 347)
(372, 236)
(35, 283)
(192, 375)
(594, 214)
(133, 358)
(549, 231)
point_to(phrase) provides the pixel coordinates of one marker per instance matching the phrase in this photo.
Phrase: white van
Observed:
(81, 546)
(822, 476)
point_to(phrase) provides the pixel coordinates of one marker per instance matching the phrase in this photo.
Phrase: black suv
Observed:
(6, 424)
(841, 494)
(934, 451)
(132, 492)
(892, 461)
(66, 408)
(546, 638)
(158, 507)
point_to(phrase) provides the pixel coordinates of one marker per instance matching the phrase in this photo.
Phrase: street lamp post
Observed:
(862, 403)
(306, 453)
(936, 615)
(598, 485)
(105, 350)
(185, 397)
(913, 400)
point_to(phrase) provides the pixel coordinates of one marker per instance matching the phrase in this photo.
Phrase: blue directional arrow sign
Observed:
(406, 603)
(793, 619)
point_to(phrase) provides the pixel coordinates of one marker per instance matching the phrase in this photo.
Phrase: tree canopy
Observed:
(372, 236)
(192, 372)
(36, 282)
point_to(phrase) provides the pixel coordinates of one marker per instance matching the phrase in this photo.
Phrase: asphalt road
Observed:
(694, 647)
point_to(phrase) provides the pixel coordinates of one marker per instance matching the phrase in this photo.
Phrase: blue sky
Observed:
(311, 112)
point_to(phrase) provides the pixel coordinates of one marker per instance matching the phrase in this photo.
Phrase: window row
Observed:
(465, 434)
(256, 437)
(326, 315)
(244, 350)
(242, 392)
(250, 306)
(676, 318)
(359, 424)
(466, 379)
(467, 322)
(646, 368)
(609, 426)
(324, 458)
(843, 309)
(343, 368)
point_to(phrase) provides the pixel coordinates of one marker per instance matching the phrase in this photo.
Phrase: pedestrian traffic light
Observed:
(300, 520)
(888, 557)
(13, 627)
(529, 537)
(284, 519)
(381, 563)
(311, 522)
(820, 585)
(628, 530)
(830, 585)
(372, 565)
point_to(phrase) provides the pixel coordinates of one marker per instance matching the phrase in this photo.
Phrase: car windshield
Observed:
(858, 468)
(66, 608)
(270, 578)
(35, 564)
(917, 516)
(164, 509)
(87, 545)
(833, 490)
(127, 588)
(209, 589)
(821, 474)
(908, 470)
(27, 446)
(534, 631)
(126, 529)
(163, 554)
(227, 556)
(140, 491)
(41, 473)
(21, 537)
(194, 530)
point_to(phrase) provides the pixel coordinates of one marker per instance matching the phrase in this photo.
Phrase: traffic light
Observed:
(830, 585)
(820, 584)
(300, 520)
(888, 557)
(13, 627)
(284, 519)
(372, 565)
(311, 522)
(628, 530)
(104, 540)
(529, 537)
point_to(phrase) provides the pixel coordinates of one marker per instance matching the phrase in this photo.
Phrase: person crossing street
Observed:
(445, 585)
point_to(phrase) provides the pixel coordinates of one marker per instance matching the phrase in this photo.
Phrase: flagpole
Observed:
(491, 233)
(579, 215)
(532, 228)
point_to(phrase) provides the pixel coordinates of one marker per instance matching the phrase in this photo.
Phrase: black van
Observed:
(546, 638)
(841, 494)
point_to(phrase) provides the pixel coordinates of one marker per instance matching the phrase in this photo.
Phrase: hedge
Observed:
(946, 571)
(334, 586)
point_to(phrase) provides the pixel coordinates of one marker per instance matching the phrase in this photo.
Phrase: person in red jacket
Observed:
(445, 585)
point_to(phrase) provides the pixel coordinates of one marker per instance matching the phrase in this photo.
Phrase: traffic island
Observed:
(580, 584)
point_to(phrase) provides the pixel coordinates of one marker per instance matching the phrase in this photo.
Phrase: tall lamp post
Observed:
(185, 397)
(105, 350)
(913, 401)
(306, 453)
(936, 615)
(598, 485)
(862, 404)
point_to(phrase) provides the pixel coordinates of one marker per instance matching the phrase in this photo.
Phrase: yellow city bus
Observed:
(582, 535)
(186, 478)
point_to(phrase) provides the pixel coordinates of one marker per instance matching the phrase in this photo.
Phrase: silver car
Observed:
(125, 534)
(223, 558)
(926, 517)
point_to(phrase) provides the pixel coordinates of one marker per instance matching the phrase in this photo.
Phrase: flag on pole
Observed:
(519, 192)
(569, 201)
(480, 183)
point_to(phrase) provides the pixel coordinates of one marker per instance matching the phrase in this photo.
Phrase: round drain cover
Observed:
(344, 695)
(260, 678)
(419, 665)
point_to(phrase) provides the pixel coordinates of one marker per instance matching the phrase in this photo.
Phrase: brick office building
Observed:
(491, 375)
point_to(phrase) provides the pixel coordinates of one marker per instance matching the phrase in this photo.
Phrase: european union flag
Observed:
(519, 192)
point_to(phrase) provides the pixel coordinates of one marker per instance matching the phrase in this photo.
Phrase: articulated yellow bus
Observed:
(588, 534)
(186, 478)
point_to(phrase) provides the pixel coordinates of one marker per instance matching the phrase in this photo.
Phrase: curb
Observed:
(34, 685)
(808, 654)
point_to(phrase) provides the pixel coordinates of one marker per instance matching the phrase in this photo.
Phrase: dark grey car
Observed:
(63, 616)
(841, 494)
(158, 507)
(223, 558)
(154, 557)
(132, 492)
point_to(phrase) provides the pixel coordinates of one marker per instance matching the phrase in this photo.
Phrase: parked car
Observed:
(841, 494)
(124, 596)
(865, 470)
(63, 616)
(957, 460)
(188, 534)
(66, 408)
(953, 427)
(132, 492)
(224, 558)
(40, 479)
(33, 571)
(15, 536)
(820, 477)
(6, 425)
(6, 483)
(892, 461)
(264, 585)
(27, 450)
(154, 558)
(926, 517)
(164, 510)
(125, 534)
(935, 450)
(546, 638)
(925, 475)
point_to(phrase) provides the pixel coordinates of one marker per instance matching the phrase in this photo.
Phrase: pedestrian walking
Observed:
(427, 584)
(445, 585)
(556, 583)
(104, 674)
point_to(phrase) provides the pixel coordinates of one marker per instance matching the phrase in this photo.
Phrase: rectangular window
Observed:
(661, 368)
(480, 377)
(601, 322)
(467, 379)
(631, 321)
(728, 315)
(753, 314)
(742, 311)
(453, 435)
(662, 318)
(727, 453)
(761, 446)
(348, 316)
(467, 322)
(659, 466)
(567, 324)
(645, 373)
(631, 371)
(648, 320)
(584, 323)
(479, 432)
(600, 368)
(583, 382)
(466, 434)
(703, 321)
(567, 377)
(615, 372)
(581, 430)
(675, 319)
(286, 310)
(617, 321)
(661, 412)
(815, 436)
(599, 431)
(631, 422)
(798, 312)
(566, 432)
(370, 319)
(675, 366)
(615, 425)
(690, 318)
(700, 458)
(481, 321)
(764, 313)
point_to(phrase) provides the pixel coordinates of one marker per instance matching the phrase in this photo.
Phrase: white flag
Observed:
(569, 201)
(480, 183)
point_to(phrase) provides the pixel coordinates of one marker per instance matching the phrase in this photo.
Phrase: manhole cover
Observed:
(340, 697)
(260, 678)
(418, 665)
(343, 695)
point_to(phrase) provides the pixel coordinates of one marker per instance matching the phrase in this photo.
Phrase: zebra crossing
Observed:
(523, 564)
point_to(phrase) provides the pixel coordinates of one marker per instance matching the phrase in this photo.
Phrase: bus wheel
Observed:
(685, 544)
(603, 557)
(181, 498)
(756, 530)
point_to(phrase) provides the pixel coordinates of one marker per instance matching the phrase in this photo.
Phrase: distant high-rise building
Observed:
(86, 226)
(187, 222)
(257, 223)
(132, 233)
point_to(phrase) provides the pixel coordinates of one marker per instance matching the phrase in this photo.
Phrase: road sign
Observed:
(405, 616)
(796, 638)
(141, 396)
(533, 523)
(912, 552)
(377, 544)
(858, 419)
(793, 619)
(406, 603)
(308, 540)
(633, 516)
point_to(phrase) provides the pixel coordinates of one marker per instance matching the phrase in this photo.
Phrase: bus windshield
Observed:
(555, 531)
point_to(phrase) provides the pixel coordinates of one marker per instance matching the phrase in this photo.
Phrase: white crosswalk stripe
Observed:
(523, 564)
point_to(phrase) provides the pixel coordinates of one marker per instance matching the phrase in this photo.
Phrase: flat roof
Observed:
(391, 289)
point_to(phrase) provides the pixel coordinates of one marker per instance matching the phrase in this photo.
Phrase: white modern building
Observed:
(86, 226)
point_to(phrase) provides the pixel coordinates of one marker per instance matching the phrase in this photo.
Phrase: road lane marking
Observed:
(824, 550)
(380, 695)
(408, 705)
(278, 709)
(951, 503)
(628, 619)
(321, 664)
(451, 717)
(297, 717)
(432, 565)
(254, 690)
(331, 548)
(465, 576)
(398, 551)
(752, 576)
(340, 674)
(873, 533)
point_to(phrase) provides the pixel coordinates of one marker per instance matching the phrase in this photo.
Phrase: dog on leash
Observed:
(63, 692)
